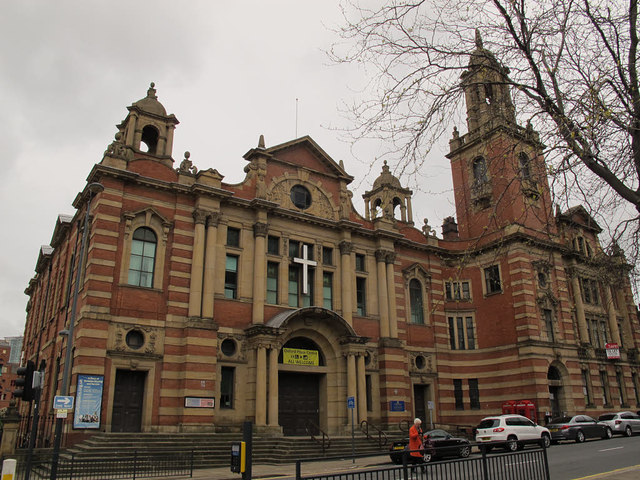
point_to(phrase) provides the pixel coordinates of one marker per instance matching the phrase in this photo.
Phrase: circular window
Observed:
(420, 362)
(135, 339)
(228, 347)
(301, 197)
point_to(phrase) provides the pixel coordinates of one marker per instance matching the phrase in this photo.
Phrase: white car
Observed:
(511, 432)
(622, 423)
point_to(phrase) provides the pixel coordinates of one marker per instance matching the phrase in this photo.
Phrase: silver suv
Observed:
(511, 432)
(622, 423)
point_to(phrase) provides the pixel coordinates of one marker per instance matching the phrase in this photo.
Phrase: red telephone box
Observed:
(525, 408)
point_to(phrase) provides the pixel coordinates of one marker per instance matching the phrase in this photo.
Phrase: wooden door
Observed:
(128, 397)
(298, 398)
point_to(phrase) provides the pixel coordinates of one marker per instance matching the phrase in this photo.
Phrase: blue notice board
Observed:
(88, 401)
(396, 406)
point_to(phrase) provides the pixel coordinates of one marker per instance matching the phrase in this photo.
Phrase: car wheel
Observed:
(545, 441)
(627, 431)
(512, 443)
(465, 451)
(607, 434)
(579, 436)
(427, 457)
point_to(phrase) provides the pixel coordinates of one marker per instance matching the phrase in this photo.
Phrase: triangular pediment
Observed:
(302, 152)
(579, 216)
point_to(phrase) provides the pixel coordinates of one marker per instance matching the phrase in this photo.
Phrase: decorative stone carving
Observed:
(150, 348)
(118, 149)
(200, 216)
(213, 219)
(187, 166)
(345, 247)
(260, 229)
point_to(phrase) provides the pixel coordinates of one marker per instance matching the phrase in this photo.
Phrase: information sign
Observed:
(88, 401)
(351, 402)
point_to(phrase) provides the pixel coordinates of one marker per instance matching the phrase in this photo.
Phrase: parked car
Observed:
(622, 423)
(437, 444)
(578, 428)
(511, 432)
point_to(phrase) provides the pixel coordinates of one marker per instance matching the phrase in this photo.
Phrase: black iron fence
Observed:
(44, 429)
(132, 465)
(524, 465)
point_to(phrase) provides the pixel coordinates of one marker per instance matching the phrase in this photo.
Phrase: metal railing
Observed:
(160, 463)
(381, 436)
(324, 441)
(524, 465)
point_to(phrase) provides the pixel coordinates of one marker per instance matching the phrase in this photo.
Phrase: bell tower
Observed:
(499, 174)
(148, 130)
(386, 196)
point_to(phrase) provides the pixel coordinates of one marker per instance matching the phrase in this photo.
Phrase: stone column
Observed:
(273, 386)
(577, 297)
(261, 386)
(11, 422)
(351, 381)
(409, 211)
(362, 389)
(346, 280)
(391, 289)
(383, 294)
(197, 256)
(208, 290)
(259, 271)
(613, 319)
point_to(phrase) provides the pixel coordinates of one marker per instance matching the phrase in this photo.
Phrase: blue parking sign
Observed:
(351, 402)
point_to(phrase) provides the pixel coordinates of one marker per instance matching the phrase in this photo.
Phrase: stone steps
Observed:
(214, 449)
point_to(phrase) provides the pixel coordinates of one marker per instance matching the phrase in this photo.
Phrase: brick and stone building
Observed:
(203, 304)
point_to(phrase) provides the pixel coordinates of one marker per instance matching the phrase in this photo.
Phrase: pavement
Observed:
(275, 471)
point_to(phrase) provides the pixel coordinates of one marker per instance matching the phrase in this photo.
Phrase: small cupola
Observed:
(148, 130)
(388, 194)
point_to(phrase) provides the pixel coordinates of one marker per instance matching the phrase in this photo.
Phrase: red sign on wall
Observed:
(613, 351)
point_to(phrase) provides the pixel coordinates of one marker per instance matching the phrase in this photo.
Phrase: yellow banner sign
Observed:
(298, 356)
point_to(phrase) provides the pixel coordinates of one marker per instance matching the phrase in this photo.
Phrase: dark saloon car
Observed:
(578, 428)
(437, 444)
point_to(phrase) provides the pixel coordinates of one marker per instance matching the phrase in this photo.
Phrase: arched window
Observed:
(143, 257)
(479, 171)
(525, 166)
(149, 138)
(415, 298)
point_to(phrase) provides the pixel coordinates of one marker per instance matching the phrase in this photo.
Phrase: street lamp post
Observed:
(94, 189)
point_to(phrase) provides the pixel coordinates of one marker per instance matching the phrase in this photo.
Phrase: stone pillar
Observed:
(409, 211)
(391, 289)
(261, 386)
(582, 320)
(346, 280)
(208, 290)
(611, 311)
(351, 381)
(259, 271)
(273, 387)
(197, 256)
(383, 294)
(11, 422)
(362, 389)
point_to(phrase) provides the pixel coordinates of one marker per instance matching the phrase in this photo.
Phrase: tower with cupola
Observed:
(499, 174)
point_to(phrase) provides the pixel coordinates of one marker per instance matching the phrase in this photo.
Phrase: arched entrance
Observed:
(554, 378)
(317, 370)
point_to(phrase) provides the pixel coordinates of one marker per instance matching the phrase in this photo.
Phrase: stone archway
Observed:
(557, 395)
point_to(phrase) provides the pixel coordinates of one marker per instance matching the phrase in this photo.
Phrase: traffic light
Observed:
(24, 382)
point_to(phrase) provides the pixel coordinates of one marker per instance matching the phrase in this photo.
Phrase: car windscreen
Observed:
(607, 416)
(489, 423)
(560, 420)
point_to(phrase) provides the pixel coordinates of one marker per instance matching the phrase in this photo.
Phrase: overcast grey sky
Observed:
(229, 71)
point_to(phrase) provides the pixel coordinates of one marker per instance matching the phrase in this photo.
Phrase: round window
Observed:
(228, 347)
(420, 362)
(135, 339)
(301, 197)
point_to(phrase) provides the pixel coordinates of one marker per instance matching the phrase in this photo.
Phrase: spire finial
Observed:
(151, 93)
(261, 142)
(478, 38)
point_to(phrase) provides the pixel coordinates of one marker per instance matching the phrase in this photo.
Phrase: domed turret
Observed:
(387, 194)
(148, 129)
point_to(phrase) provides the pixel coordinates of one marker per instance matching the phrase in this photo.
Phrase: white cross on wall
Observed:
(306, 263)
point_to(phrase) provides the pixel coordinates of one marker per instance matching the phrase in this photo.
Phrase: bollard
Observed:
(8, 469)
